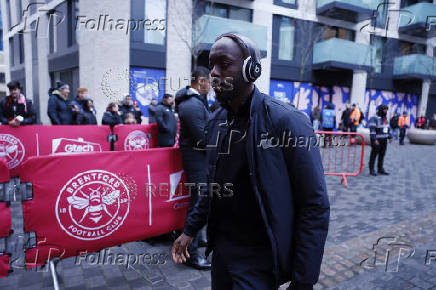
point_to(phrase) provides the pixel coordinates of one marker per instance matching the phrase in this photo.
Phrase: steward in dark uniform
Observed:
(380, 132)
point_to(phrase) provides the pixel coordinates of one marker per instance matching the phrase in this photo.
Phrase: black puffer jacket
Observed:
(59, 109)
(167, 125)
(86, 117)
(194, 114)
(9, 109)
(111, 118)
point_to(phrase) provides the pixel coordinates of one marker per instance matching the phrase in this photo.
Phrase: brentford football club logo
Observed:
(12, 149)
(92, 205)
(136, 140)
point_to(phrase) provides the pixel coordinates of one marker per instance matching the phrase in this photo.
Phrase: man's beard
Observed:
(228, 91)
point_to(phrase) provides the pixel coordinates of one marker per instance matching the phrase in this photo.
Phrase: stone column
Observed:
(104, 53)
(359, 76)
(179, 38)
(43, 74)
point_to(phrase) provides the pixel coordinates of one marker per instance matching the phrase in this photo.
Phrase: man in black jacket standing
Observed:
(192, 107)
(269, 210)
(60, 109)
(15, 109)
(166, 122)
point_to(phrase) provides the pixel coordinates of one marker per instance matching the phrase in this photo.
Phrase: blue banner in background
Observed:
(145, 84)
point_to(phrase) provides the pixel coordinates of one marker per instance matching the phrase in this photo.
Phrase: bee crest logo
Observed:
(92, 205)
(136, 140)
(12, 149)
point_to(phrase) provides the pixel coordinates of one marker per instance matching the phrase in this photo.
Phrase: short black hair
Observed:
(166, 96)
(14, 85)
(199, 72)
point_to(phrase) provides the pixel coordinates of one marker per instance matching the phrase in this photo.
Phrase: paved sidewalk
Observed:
(396, 212)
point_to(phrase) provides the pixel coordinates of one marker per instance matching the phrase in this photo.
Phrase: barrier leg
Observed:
(344, 180)
(54, 275)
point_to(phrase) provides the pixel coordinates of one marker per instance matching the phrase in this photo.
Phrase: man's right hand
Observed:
(376, 142)
(179, 251)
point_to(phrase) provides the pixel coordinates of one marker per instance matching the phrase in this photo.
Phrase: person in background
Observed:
(166, 122)
(345, 118)
(59, 109)
(394, 126)
(81, 100)
(421, 122)
(403, 123)
(87, 115)
(328, 118)
(316, 117)
(432, 123)
(15, 109)
(193, 109)
(379, 131)
(129, 106)
(130, 119)
(112, 116)
(152, 111)
(355, 118)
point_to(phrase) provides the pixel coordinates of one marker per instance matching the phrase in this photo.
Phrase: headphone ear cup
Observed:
(255, 70)
(246, 66)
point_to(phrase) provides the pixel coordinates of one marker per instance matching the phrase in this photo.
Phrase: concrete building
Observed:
(314, 51)
(3, 88)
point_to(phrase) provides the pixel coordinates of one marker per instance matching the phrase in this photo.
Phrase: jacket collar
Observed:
(256, 101)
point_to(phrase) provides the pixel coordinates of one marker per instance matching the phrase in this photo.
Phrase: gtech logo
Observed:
(64, 145)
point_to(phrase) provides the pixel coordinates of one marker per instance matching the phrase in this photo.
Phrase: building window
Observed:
(405, 3)
(337, 32)
(2, 78)
(19, 11)
(382, 14)
(286, 3)
(228, 11)
(378, 44)
(155, 9)
(21, 46)
(286, 38)
(8, 7)
(412, 48)
(11, 52)
(1, 39)
(73, 9)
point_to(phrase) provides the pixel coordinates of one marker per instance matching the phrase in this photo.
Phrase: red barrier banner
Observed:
(136, 137)
(4, 171)
(4, 265)
(18, 144)
(87, 202)
(5, 212)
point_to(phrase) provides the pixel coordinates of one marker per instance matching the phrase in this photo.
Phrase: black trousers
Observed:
(402, 135)
(194, 176)
(242, 267)
(380, 151)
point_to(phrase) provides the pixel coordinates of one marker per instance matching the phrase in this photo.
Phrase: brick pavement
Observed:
(401, 206)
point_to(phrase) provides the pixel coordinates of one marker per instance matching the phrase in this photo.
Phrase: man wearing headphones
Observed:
(268, 210)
